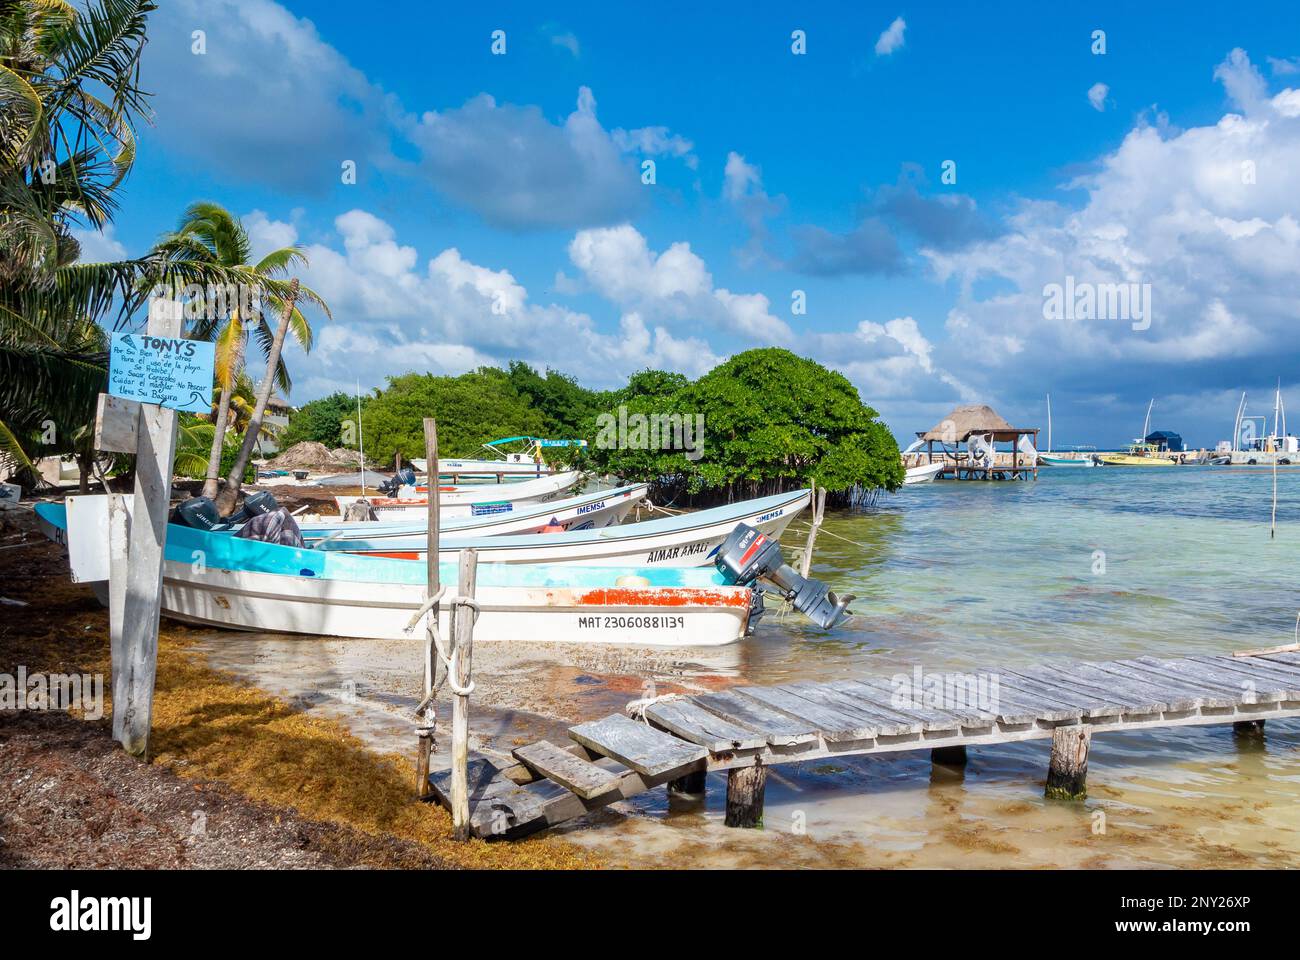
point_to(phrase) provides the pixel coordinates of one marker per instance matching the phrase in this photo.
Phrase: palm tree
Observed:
(69, 98)
(210, 234)
(228, 496)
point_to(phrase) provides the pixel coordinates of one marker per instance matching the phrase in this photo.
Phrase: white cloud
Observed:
(674, 284)
(739, 177)
(454, 315)
(99, 246)
(1097, 96)
(265, 234)
(313, 109)
(892, 38)
(1208, 216)
(567, 41)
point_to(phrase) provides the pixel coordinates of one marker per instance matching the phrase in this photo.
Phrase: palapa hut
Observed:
(980, 421)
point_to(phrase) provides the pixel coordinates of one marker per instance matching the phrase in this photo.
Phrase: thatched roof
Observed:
(975, 418)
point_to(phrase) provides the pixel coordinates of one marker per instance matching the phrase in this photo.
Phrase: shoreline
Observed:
(303, 789)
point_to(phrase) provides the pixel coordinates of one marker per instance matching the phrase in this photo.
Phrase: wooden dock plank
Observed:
(1284, 685)
(1208, 694)
(888, 723)
(780, 729)
(1134, 702)
(1108, 673)
(878, 693)
(581, 776)
(834, 725)
(688, 720)
(646, 750)
(1052, 691)
(1288, 659)
(1228, 682)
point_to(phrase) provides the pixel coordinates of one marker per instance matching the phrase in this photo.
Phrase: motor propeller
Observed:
(748, 555)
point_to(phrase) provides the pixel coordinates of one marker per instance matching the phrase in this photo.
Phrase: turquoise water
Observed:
(977, 575)
(1084, 563)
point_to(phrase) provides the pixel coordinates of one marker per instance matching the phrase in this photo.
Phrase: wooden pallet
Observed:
(744, 730)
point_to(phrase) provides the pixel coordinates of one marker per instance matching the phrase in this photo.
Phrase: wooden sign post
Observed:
(142, 597)
(428, 715)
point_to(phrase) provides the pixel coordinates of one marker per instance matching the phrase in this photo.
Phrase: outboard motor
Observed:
(748, 555)
(403, 478)
(201, 512)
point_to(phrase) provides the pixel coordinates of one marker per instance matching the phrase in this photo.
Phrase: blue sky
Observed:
(499, 210)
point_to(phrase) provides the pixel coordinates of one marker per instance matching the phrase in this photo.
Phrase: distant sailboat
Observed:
(1057, 458)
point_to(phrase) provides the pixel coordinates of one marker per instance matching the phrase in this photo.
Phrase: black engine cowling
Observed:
(748, 555)
(201, 512)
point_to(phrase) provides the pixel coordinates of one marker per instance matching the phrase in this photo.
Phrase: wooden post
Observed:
(745, 786)
(118, 532)
(142, 602)
(1067, 774)
(1249, 729)
(818, 511)
(430, 714)
(692, 785)
(462, 658)
(949, 756)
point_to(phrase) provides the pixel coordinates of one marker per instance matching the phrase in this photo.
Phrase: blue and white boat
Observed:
(587, 511)
(219, 579)
(686, 540)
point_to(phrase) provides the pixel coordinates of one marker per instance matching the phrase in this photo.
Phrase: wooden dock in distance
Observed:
(745, 730)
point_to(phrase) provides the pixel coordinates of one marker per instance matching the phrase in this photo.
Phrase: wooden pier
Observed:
(676, 741)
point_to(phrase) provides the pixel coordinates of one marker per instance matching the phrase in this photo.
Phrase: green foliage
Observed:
(470, 409)
(772, 421)
(564, 405)
(323, 421)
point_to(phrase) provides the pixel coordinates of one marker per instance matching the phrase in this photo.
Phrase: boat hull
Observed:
(1127, 460)
(588, 512)
(922, 474)
(472, 501)
(273, 603)
(1052, 461)
(633, 545)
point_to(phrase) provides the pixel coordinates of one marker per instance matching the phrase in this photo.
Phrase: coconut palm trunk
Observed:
(230, 495)
(211, 482)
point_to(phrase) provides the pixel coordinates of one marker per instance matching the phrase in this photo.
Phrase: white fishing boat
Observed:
(922, 474)
(504, 464)
(476, 500)
(687, 540)
(247, 584)
(587, 511)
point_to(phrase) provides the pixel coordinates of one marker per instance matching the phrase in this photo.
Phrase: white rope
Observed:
(637, 708)
(448, 661)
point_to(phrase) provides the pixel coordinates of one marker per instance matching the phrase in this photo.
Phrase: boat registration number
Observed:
(632, 623)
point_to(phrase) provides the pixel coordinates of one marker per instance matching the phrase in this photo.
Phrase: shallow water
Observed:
(1084, 563)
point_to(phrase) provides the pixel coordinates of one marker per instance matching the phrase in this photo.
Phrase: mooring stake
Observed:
(745, 787)
(429, 715)
(1067, 773)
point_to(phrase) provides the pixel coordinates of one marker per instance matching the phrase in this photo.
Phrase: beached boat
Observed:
(587, 511)
(472, 500)
(687, 540)
(250, 585)
(505, 464)
(923, 473)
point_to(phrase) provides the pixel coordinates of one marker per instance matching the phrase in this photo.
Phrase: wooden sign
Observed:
(116, 420)
(169, 371)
